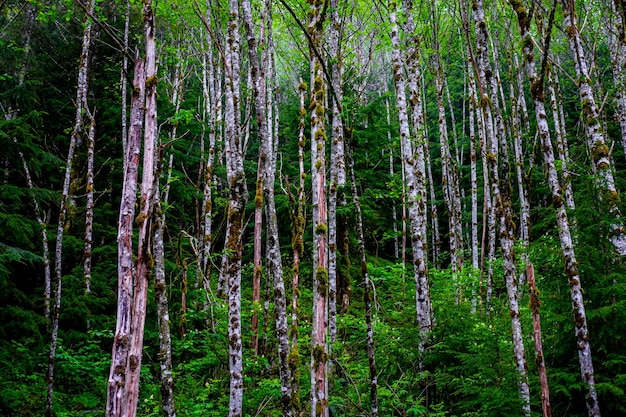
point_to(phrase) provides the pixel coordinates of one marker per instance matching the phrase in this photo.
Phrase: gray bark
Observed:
(75, 139)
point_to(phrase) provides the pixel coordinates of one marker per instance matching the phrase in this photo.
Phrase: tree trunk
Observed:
(535, 305)
(337, 164)
(500, 193)
(596, 142)
(118, 378)
(266, 187)
(319, 351)
(75, 139)
(567, 247)
(236, 208)
(160, 292)
(89, 204)
(414, 166)
(367, 293)
(143, 220)
(298, 224)
(449, 169)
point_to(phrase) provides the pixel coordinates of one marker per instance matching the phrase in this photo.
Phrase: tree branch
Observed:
(315, 51)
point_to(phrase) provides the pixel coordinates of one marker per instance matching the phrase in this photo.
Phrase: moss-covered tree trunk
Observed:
(500, 191)
(367, 288)
(319, 351)
(236, 207)
(596, 141)
(567, 245)
(413, 161)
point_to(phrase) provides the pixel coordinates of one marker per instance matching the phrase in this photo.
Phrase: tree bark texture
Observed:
(414, 164)
(500, 193)
(565, 237)
(236, 208)
(319, 351)
(75, 139)
(596, 141)
(118, 378)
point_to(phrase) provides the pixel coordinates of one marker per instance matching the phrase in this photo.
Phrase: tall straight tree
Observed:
(449, 168)
(76, 138)
(258, 63)
(500, 191)
(123, 386)
(567, 245)
(236, 207)
(117, 399)
(319, 352)
(337, 167)
(298, 224)
(368, 289)
(413, 162)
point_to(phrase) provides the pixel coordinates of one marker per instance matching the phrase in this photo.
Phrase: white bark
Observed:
(266, 185)
(565, 237)
(499, 187)
(413, 161)
(90, 203)
(236, 207)
(596, 142)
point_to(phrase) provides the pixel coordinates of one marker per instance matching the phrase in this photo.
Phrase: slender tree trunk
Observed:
(449, 169)
(236, 208)
(474, 143)
(337, 163)
(75, 139)
(367, 293)
(562, 147)
(160, 287)
(89, 205)
(500, 193)
(414, 167)
(567, 247)
(298, 224)
(520, 171)
(266, 187)
(535, 305)
(160, 292)
(596, 142)
(396, 240)
(124, 82)
(257, 270)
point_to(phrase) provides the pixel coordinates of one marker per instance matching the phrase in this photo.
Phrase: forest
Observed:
(312, 208)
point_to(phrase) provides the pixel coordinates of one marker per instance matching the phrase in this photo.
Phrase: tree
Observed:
(76, 137)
